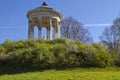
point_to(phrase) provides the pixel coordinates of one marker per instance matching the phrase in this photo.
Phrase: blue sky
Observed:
(93, 13)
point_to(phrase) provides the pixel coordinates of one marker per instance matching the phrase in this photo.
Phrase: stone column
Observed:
(58, 29)
(40, 29)
(30, 30)
(47, 32)
(49, 29)
(55, 30)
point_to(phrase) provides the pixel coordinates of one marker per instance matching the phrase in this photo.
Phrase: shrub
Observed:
(60, 40)
(20, 44)
(102, 58)
(40, 56)
(2, 49)
(60, 51)
(85, 55)
(94, 56)
(30, 43)
(73, 48)
(9, 46)
(116, 59)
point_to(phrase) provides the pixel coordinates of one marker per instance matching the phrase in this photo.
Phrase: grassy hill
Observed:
(68, 74)
(56, 60)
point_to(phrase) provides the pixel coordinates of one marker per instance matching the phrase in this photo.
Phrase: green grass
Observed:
(69, 74)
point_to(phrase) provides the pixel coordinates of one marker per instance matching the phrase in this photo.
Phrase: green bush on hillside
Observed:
(93, 55)
(40, 56)
(102, 58)
(2, 49)
(58, 53)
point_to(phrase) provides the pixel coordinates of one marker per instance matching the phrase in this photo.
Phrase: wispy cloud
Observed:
(96, 25)
(13, 27)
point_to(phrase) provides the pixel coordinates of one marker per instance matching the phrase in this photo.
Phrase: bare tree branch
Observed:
(72, 29)
(111, 37)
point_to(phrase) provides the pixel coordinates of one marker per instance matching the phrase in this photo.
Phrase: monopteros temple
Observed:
(44, 17)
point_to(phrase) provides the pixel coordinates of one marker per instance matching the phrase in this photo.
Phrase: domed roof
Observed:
(44, 8)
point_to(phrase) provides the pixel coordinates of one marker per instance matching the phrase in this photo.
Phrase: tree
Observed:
(111, 37)
(72, 29)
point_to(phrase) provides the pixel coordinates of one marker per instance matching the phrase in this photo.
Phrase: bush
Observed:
(116, 59)
(19, 44)
(73, 48)
(93, 55)
(2, 49)
(61, 41)
(86, 56)
(58, 53)
(102, 58)
(40, 57)
(9, 46)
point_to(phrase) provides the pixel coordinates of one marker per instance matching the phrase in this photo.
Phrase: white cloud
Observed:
(96, 25)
